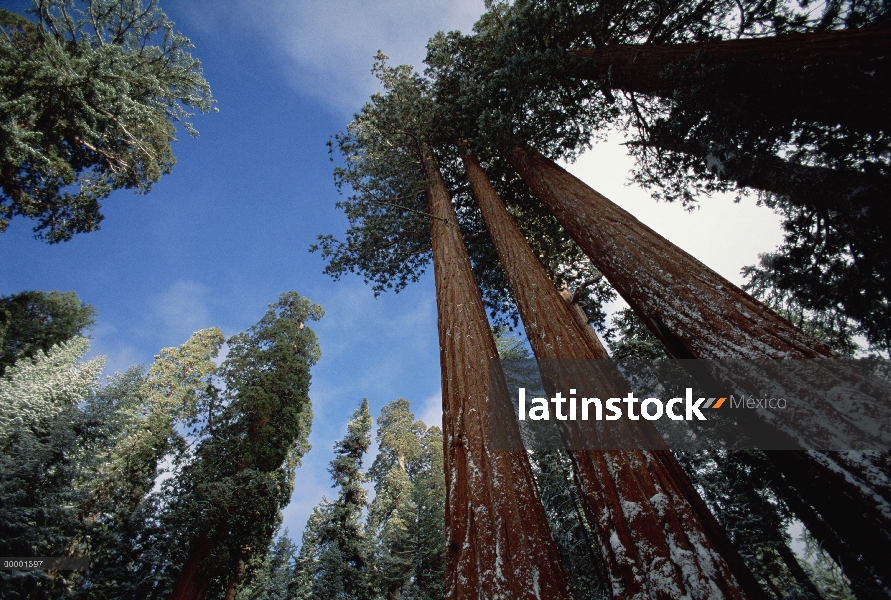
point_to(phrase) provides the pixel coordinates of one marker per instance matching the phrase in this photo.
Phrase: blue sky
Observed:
(227, 231)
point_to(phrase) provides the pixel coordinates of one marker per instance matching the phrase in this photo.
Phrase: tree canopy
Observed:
(34, 320)
(550, 74)
(91, 92)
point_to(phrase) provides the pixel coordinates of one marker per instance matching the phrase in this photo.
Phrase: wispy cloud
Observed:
(326, 48)
(181, 310)
(430, 410)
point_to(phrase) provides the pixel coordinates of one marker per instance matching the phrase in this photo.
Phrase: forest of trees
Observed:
(172, 477)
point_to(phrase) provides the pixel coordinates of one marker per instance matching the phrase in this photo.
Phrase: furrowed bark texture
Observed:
(499, 544)
(699, 314)
(693, 310)
(652, 549)
(833, 77)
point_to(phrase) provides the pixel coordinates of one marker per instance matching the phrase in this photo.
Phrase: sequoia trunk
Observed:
(699, 314)
(195, 577)
(834, 77)
(657, 551)
(498, 540)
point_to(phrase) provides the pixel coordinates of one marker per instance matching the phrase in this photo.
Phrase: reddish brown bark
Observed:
(194, 579)
(829, 76)
(699, 314)
(498, 541)
(693, 310)
(658, 551)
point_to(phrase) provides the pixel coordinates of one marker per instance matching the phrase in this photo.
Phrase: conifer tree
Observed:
(45, 471)
(34, 320)
(334, 560)
(91, 93)
(405, 520)
(271, 576)
(695, 319)
(610, 482)
(131, 550)
(569, 525)
(227, 499)
(751, 499)
(498, 541)
(306, 563)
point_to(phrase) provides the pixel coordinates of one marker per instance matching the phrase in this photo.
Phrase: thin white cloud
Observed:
(430, 410)
(181, 310)
(326, 47)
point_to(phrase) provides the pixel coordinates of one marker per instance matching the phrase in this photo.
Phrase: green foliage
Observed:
(146, 413)
(333, 562)
(832, 284)
(399, 550)
(250, 431)
(45, 464)
(270, 580)
(131, 474)
(388, 241)
(406, 520)
(90, 94)
(493, 95)
(33, 320)
(510, 347)
(818, 317)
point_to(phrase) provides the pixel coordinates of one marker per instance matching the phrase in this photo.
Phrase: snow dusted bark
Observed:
(834, 77)
(699, 314)
(655, 542)
(693, 310)
(499, 545)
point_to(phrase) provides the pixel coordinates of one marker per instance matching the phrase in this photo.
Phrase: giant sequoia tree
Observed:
(553, 73)
(498, 541)
(252, 433)
(91, 92)
(659, 536)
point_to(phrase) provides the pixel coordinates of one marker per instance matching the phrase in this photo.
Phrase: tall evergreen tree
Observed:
(148, 413)
(251, 437)
(271, 576)
(45, 468)
(34, 320)
(334, 560)
(498, 541)
(406, 519)
(610, 482)
(91, 93)
(751, 499)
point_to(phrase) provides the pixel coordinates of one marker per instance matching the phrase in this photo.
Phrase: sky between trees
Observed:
(227, 231)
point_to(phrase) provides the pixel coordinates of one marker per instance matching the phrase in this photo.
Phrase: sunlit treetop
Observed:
(91, 92)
